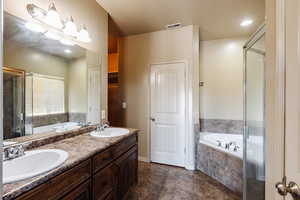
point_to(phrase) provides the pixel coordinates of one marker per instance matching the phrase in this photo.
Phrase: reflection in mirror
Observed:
(45, 82)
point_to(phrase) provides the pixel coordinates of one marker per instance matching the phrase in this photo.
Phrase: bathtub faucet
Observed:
(228, 145)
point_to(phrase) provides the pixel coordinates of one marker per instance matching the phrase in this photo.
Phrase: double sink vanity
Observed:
(51, 98)
(81, 164)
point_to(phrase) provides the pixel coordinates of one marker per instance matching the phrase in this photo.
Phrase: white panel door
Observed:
(168, 113)
(94, 107)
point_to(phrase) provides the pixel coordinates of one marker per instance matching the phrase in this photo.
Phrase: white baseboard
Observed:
(143, 159)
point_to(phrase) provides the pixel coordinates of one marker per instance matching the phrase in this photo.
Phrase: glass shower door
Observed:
(13, 103)
(254, 135)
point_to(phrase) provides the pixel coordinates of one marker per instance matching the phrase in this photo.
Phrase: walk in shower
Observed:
(13, 102)
(254, 116)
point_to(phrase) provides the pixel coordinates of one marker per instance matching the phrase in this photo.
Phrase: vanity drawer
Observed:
(60, 185)
(125, 145)
(102, 159)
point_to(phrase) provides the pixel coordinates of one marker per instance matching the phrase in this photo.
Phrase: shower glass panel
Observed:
(13, 103)
(254, 135)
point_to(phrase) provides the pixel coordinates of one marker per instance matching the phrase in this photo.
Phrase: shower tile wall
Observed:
(221, 126)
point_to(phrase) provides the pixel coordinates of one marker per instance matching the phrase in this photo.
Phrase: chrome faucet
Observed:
(13, 152)
(102, 126)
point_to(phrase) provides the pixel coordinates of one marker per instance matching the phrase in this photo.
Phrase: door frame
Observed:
(275, 96)
(189, 135)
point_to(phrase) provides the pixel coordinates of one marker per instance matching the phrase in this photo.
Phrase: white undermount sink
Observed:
(33, 163)
(110, 132)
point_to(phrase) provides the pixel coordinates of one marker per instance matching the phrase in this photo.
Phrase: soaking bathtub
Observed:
(219, 141)
(224, 162)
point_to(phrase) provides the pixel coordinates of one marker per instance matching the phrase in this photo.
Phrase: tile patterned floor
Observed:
(161, 182)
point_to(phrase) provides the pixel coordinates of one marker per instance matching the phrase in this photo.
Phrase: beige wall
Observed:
(139, 52)
(31, 60)
(221, 70)
(87, 12)
(78, 86)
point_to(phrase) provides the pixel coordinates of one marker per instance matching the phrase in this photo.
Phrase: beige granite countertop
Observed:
(80, 148)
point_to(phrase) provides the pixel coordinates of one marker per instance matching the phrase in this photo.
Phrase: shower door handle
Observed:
(293, 188)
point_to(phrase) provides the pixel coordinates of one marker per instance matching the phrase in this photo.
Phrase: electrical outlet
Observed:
(103, 114)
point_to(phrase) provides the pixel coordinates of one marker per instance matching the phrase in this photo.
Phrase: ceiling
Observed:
(15, 31)
(216, 18)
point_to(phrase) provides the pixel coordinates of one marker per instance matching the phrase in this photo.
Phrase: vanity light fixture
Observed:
(52, 35)
(83, 35)
(53, 19)
(67, 42)
(68, 51)
(246, 22)
(34, 27)
(70, 28)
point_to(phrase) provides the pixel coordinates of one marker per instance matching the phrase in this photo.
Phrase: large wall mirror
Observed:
(45, 83)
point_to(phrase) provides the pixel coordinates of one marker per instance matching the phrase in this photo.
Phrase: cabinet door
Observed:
(83, 192)
(103, 183)
(127, 172)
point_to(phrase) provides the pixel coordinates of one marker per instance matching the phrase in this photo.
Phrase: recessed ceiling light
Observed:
(68, 51)
(34, 27)
(246, 22)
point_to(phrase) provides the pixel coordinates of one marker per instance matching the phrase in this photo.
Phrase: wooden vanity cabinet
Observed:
(60, 185)
(107, 175)
(126, 172)
(83, 192)
(103, 183)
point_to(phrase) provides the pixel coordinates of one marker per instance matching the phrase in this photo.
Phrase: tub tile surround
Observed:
(221, 126)
(44, 120)
(221, 166)
(77, 117)
(79, 147)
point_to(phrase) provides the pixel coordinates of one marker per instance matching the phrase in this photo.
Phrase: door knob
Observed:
(283, 189)
(152, 119)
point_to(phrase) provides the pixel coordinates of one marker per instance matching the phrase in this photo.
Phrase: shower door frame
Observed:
(21, 73)
(256, 36)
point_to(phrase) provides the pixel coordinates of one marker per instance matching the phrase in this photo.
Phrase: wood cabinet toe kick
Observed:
(107, 175)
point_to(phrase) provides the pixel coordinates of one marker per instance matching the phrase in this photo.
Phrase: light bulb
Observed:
(83, 35)
(34, 27)
(52, 17)
(67, 42)
(70, 28)
(52, 35)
